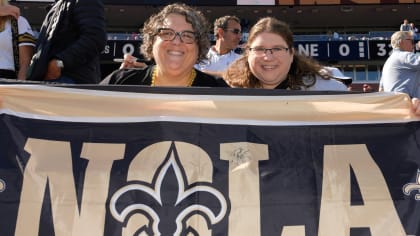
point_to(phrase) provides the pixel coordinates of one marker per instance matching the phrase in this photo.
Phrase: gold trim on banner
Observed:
(69, 104)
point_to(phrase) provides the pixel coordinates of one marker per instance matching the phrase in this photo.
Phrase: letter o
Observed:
(128, 48)
(344, 50)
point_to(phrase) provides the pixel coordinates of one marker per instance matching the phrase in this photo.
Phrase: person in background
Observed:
(367, 88)
(405, 26)
(414, 29)
(228, 33)
(9, 10)
(335, 73)
(175, 39)
(401, 71)
(70, 42)
(10, 67)
(271, 62)
(336, 35)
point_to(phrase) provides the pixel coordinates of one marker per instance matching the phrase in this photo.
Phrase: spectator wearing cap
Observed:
(335, 73)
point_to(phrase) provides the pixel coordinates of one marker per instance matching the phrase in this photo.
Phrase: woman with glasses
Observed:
(175, 39)
(271, 62)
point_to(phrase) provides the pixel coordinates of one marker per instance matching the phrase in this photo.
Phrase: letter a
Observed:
(337, 214)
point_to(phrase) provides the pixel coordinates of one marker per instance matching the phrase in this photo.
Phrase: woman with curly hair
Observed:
(271, 62)
(175, 39)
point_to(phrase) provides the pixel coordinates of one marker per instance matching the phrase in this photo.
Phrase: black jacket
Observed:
(143, 76)
(73, 31)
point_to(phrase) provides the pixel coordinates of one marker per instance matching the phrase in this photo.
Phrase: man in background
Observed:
(70, 42)
(228, 33)
(405, 26)
(401, 71)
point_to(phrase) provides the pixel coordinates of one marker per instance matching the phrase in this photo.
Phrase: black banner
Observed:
(97, 162)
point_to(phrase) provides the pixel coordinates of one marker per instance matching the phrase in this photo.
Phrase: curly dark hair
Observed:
(192, 16)
(303, 70)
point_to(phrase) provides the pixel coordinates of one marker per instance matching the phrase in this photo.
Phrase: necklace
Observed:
(190, 79)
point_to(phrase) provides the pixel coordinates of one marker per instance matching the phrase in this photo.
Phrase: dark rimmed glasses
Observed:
(276, 51)
(185, 36)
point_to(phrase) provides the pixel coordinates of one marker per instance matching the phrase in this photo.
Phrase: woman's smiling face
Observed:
(175, 57)
(272, 67)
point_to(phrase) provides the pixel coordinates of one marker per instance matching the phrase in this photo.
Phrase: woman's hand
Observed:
(131, 62)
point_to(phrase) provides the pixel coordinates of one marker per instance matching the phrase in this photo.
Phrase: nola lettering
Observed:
(189, 165)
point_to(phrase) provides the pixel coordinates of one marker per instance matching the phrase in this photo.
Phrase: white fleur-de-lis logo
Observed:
(410, 187)
(169, 201)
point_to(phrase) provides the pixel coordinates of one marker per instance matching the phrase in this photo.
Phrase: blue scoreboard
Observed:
(353, 50)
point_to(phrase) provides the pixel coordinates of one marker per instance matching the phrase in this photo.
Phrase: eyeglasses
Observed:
(235, 31)
(276, 51)
(186, 36)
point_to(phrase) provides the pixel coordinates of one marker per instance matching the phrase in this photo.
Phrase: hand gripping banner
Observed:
(114, 160)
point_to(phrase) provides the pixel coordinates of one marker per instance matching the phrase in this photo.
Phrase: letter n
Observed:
(51, 162)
